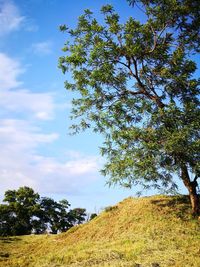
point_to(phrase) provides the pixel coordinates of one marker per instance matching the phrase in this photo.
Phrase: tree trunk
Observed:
(194, 198)
(192, 189)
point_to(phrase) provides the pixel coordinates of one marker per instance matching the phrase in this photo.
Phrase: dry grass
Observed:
(153, 231)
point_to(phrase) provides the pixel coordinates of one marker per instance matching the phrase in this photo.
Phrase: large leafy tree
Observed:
(137, 86)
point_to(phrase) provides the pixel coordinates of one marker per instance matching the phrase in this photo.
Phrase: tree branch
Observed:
(156, 37)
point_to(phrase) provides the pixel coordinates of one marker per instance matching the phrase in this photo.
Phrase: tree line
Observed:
(24, 212)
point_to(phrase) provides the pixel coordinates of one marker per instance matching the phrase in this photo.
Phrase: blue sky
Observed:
(36, 149)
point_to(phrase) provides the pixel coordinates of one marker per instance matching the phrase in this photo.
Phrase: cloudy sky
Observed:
(36, 149)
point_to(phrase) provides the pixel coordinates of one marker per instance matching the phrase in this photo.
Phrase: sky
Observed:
(36, 148)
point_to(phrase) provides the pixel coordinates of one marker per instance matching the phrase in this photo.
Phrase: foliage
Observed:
(182, 15)
(55, 214)
(25, 213)
(137, 87)
(17, 218)
(76, 216)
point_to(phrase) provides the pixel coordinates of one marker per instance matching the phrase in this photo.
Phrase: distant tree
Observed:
(24, 212)
(77, 216)
(137, 87)
(64, 223)
(55, 215)
(17, 216)
(6, 220)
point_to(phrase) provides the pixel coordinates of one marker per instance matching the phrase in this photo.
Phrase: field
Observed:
(154, 231)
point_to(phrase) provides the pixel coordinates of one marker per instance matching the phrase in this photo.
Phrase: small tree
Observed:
(92, 216)
(137, 88)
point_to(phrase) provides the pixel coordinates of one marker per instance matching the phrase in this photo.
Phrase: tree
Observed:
(137, 87)
(6, 220)
(77, 216)
(25, 212)
(55, 215)
(17, 216)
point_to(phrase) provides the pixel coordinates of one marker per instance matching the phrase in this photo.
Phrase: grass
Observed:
(154, 231)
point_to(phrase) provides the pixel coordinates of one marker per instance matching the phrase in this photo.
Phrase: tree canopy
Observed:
(25, 212)
(181, 15)
(138, 87)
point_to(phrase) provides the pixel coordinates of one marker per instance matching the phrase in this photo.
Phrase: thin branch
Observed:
(157, 37)
(196, 177)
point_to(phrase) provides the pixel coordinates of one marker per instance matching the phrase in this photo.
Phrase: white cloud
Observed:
(39, 105)
(21, 135)
(21, 164)
(10, 18)
(13, 98)
(9, 72)
(22, 141)
(42, 48)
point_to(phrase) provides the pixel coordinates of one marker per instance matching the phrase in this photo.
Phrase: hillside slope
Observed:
(152, 231)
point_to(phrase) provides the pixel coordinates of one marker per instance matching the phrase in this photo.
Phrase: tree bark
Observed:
(194, 198)
(192, 189)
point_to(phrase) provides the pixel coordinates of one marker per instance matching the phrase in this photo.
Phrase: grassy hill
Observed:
(137, 232)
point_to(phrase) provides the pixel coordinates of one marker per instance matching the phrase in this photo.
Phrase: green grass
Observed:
(152, 231)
